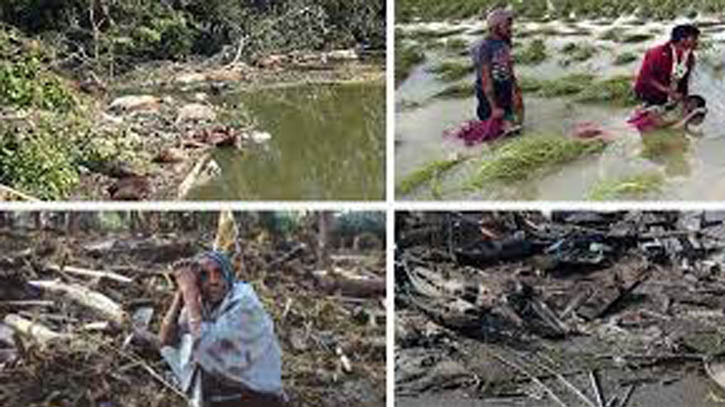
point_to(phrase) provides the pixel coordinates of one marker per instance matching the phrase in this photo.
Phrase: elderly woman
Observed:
(218, 339)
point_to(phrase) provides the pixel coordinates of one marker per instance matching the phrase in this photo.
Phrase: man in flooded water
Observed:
(496, 87)
(218, 339)
(665, 72)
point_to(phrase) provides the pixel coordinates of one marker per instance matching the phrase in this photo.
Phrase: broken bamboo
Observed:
(89, 273)
(32, 329)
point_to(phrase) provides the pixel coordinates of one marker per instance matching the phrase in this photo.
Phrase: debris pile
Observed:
(79, 313)
(511, 306)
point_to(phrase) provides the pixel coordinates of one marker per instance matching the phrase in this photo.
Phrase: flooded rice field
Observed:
(327, 142)
(557, 54)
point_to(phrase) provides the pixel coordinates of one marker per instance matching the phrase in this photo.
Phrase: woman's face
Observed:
(211, 279)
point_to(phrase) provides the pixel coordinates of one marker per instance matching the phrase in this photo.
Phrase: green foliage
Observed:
(121, 33)
(521, 157)
(636, 186)
(24, 82)
(38, 157)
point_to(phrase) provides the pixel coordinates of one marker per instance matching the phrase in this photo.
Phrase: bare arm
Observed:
(169, 329)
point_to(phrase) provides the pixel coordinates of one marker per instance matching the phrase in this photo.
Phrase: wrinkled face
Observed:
(212, 283)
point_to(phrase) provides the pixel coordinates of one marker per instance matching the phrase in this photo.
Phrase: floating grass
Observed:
(625, 58)
(636, 186)
(458, 90)
(452, 70)
(425, 34)
(616, 91)
(533, 54)
(456, 45)
(568, 85)
(427, 173)
(520, 158)
(577, 52)
(635, 38)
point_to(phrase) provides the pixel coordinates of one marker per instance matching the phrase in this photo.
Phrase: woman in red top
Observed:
(666, 68)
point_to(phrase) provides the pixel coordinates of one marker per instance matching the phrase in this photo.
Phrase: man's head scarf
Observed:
(497, 17)
(222, 260)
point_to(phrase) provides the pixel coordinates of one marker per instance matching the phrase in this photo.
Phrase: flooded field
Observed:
(327, 142)
(553, 57)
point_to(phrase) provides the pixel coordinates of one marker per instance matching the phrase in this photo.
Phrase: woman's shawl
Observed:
(237, 344)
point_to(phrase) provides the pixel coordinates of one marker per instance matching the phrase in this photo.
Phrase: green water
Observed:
(328, 143)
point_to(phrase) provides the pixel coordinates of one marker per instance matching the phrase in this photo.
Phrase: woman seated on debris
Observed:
(218, 339)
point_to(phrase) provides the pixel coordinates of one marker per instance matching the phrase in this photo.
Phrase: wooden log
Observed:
(103, 305)
(89, 273)
(35, 330)
(351, 285)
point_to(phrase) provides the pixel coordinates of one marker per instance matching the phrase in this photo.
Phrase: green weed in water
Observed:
(564, 86)
(631, 187)
(577, 52)
(522, 157)
(625, 58)
(616, 91)
(458, 90)
(534, 54)
(635, 38)
(452, 70)
(407, 56)
(426, 34)
(427, 173)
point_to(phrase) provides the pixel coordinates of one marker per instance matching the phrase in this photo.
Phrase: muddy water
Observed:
(327, 142)
(701, 164)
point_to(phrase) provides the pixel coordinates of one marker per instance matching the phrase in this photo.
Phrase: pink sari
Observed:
(476, 131)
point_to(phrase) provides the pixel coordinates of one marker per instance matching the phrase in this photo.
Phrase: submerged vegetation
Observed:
(521, 158)
(636, 186)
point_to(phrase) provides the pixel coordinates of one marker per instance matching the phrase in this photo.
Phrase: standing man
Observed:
(496, 88)
(665, 72)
